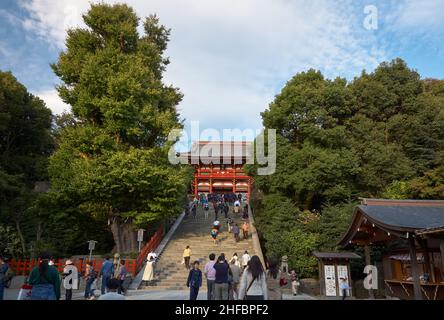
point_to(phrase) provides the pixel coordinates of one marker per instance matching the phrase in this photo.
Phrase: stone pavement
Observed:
(11, 294)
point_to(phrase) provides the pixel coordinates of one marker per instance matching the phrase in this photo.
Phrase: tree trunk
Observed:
(20, 234)
(125, 237)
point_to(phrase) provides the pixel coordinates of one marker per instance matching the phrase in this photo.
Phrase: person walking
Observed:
(113, 286)
(235, 279)
(294, 278)
(3, 278)
(226, 209)
(245, 213)
(235, 259)
(229, 224)
(194, 281)
(69, 282)
(236, 207)
(221, 207)
(106, 272)
(148, 273)
(216, 209)
(187, 257)
(186, 210)
(214, 232)
(90, 277)
(120, 274)
(194, 211)
(236, 231)
(221, 281)
(45, 280)
(253, 284)
(206, 209)
(245, 229)
(344, 287)
(274, 277)
(210, 274)
(245, 259)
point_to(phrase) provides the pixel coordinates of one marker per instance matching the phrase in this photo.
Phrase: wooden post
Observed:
(427, 264)
(351, 289)
(415, 270)
(368, 262)
(321, 277)
(441, 248)
(196, 192)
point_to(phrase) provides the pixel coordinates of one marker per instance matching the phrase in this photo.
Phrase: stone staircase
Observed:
(171, 274)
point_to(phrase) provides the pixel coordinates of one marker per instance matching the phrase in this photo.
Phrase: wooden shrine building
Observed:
(411, 235)
(219, 167)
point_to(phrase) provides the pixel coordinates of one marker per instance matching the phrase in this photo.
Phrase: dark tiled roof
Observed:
(336, 255)
(404, 216)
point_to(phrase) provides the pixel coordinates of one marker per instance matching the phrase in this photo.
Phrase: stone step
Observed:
(171, 274)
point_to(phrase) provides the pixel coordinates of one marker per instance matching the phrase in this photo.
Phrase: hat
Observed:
(68, 262)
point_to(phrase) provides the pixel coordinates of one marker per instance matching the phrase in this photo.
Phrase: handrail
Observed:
(255, 237)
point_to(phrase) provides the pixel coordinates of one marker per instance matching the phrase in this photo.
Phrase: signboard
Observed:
(140, 235)
(91, 245)
(330, 280)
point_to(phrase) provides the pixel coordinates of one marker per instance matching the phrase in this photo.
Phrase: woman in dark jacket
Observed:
(45, 280)
(194, 281)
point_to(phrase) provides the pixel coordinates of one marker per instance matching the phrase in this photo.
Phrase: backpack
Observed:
(9, 275)
(93, 274)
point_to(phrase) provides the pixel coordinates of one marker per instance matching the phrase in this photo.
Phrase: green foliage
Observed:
(25, 131)
(111, 158)
(397, 190)
(25, 143)
(10, 244)
(298, 246)
(431, 184)
(380, 135)
(332, 224)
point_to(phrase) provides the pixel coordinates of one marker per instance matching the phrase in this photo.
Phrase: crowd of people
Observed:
(237, 278)
(45, 281)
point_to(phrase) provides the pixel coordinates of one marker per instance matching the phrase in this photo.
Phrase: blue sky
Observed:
(230, 58)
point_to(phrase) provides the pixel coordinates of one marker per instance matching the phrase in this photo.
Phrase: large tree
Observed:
(25, 144)
(380, 134)
(112, 155)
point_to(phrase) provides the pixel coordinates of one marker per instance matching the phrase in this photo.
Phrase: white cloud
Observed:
(53, 101)
(418, 14)
(228, 57)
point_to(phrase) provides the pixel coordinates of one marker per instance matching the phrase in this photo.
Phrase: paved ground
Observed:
(11, 294)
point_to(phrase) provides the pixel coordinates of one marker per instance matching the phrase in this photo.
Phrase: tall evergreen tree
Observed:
(25, 144)
(113, 156)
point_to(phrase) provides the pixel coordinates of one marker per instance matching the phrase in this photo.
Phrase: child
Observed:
(294, 282)
(214, 232)
(194, 281)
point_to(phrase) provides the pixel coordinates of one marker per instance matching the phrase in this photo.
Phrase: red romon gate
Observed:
(222, 173)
